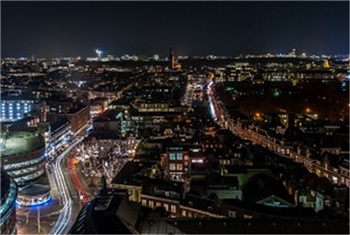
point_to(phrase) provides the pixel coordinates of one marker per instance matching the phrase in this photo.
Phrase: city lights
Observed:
(163, 118)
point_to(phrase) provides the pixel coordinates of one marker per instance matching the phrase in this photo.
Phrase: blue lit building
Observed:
(15, 109)
(8, 206)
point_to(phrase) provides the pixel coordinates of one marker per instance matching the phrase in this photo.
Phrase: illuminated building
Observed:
(60, 133)
(97, 106)
(176, 163)
(77, 116)
(173, 62)
(99, 54)
(171, 59)
(35, 195)
(13, 109)
(157, 107)
(23, 156)
(292, 53)
(109, 95)
(325, 64)
(321, 74)
(162, 214)
(8, 206)
(277, 75)
(239, 72)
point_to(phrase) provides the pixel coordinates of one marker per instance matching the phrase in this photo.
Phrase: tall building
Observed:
(325, 64)
(173, 63)
(171, 59)
(292, 53)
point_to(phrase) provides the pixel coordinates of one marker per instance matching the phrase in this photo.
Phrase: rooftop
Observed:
(21, 142)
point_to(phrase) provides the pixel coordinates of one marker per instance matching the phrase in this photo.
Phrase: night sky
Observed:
(49, 29)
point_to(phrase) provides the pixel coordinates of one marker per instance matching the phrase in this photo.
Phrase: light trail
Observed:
(77, 183)
(211, 104)
(65, 216)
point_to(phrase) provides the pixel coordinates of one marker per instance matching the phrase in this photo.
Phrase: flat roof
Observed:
(36, 190)
(21, 142)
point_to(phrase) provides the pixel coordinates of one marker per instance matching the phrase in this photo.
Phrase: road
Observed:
(65, 218)
(83, 190)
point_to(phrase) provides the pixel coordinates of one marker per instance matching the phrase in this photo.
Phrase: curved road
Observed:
(65, 218)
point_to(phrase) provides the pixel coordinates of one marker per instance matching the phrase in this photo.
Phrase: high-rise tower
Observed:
(325, 64)
(171, 59)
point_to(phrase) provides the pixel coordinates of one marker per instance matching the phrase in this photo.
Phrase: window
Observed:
(179, 156)
(166, 206)
(172, 156)
(183, 213)
(232, 214)
(158, 204)
(173, 209)
(144, 202)
(179, 167)
(151, 204)
(172, 167)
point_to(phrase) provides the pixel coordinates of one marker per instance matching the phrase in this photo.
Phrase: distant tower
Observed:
(171, 59)
(325, 64)
(292, 53)
(99, 54)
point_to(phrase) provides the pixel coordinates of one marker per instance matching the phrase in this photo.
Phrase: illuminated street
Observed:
(68, 211)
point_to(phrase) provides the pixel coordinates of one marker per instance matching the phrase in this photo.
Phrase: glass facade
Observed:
(172, 156)
(22, 164)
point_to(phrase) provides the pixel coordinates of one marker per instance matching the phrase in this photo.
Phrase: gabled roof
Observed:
(262, 186)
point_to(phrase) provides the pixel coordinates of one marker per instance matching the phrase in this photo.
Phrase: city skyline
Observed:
(55, 29)
(175, 117)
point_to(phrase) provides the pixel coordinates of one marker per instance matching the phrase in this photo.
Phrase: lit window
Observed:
(179, 167)
(173, 208)
(166, 206)
(151, 204)
(172, 156)
(179, 156)
(172, 167)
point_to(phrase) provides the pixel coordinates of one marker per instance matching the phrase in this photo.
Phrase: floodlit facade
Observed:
(23, 156)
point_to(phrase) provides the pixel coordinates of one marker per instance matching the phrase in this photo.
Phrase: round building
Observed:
(23, 155)
(8, 207)
(34, 195)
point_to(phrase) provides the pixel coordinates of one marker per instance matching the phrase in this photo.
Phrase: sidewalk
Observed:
(48, 212)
